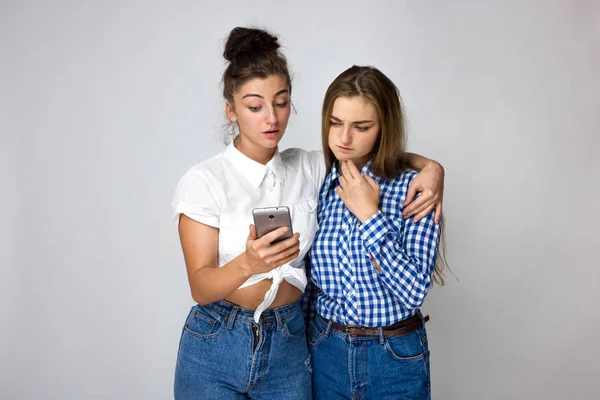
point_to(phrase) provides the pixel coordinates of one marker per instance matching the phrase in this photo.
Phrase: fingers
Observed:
(412, 192)
(290, 258)
(343, 181)
(252, 233)
(279, 263)
(271, 236)
(284, 256)
(264, 248)
(438, 212)
(286, 244)
(423, 213)
(345, 171)
(351, 174)
(371, 181)
(340, 191)
(272, 256)
(415, 207)
(352, 170)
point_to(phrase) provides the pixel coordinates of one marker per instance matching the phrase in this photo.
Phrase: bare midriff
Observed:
(251, 296)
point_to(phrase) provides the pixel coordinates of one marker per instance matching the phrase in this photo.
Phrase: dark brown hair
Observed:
(252, 53)
(389, 157)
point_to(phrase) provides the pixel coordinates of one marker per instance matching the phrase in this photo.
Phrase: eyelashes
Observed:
(278, 105)
(359, 128)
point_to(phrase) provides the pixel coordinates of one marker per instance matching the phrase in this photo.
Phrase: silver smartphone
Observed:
(270, 218)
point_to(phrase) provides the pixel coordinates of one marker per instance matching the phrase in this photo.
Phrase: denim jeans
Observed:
(223, 354)
(368, 367)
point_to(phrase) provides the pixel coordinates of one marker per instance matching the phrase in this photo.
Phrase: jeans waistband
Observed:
(400, 328)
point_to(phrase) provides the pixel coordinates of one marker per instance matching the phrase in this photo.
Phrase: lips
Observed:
(344, 149)
(271, 132)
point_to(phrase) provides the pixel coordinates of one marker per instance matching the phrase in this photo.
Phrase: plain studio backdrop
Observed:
(105, 104)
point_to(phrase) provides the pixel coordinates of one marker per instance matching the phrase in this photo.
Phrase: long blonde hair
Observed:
(389, 152)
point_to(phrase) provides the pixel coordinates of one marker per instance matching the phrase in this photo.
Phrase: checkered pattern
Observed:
(350, 288)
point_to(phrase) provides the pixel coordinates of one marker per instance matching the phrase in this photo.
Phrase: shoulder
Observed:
(310, 161)
(406, 177)
(199, 193)
(399, 185)
(300, 155)
(204, 177)
(209, 169)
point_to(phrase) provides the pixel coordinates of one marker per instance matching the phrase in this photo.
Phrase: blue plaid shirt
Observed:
(349, 288)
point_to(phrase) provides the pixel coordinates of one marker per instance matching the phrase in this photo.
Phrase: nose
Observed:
(271, 116)
(345, 136)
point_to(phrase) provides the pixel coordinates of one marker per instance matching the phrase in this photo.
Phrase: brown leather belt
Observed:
(398, 329)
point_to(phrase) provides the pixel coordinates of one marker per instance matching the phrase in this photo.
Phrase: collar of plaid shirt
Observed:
(334, 175)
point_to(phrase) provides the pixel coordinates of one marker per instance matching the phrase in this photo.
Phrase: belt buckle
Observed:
(356, 330)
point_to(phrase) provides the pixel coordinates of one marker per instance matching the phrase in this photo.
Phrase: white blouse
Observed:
(223, 190)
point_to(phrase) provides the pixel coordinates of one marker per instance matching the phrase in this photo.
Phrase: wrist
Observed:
(367, 215)
(243, 265)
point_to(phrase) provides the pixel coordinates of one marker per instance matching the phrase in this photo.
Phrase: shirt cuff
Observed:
(373, 230)
(198, 214)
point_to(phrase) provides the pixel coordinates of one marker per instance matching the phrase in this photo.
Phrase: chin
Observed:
(271, 143)
(342, 157)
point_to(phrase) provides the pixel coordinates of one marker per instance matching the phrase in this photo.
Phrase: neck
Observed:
(259, 154)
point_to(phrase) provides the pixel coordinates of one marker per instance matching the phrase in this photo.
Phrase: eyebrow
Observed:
(366, 121)
(260, 97)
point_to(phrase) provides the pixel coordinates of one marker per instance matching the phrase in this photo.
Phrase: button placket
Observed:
(273, 189)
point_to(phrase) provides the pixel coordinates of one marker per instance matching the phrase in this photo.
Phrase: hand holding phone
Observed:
(276, 247)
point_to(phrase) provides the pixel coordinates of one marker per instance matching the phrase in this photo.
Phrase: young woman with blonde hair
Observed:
(372, 266)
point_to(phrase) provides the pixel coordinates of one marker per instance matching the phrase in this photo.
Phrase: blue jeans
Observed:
(368, 367)
(223, 354)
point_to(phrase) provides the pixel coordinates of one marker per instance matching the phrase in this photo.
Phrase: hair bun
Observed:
(245, 41)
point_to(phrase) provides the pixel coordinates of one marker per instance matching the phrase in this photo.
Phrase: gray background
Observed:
(104, 105)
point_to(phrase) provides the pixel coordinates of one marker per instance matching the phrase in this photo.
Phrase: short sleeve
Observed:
(195, 196)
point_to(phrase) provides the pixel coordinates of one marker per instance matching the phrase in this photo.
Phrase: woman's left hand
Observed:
(360, 193)
(430, 183)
